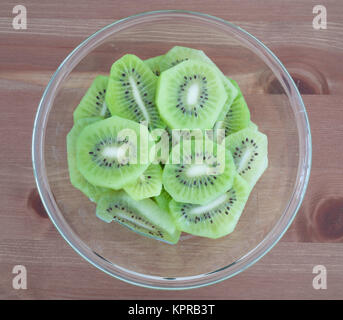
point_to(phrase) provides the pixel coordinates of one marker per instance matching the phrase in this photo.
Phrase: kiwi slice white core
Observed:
(193, 94)
(197, 170)
(244, 159)
(138, 98)
(115, 153)
(104, 109)
(210, 206)
(134, 220)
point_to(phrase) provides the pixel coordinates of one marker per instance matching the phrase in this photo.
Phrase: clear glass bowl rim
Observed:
(300, 186)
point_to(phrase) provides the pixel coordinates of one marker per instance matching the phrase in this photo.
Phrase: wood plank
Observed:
(56, 271)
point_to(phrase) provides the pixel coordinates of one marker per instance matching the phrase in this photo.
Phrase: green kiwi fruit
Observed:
(249, 149)
(216, 218)
(236, 116)
(93, 102)
(113, 152)
(149, 184)
(155, 64)
(76, 178)
(179, 54)
(198, 172)
(253, 126)
(230, 100)
(163, 200)
(143, 216)
(131, 91)
(190, 95)
(231, 92)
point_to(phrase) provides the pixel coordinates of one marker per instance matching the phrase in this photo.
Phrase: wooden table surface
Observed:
(29, 57)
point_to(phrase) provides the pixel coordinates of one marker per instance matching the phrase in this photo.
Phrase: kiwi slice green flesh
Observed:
(76, 178)
(252, 126)
(249, 149)
(200, 175)
(113, 152)
(216, 218)
(143, 216)
(155, 64)
(231, 90)
(179, 54)
(149, 184)
(190, 95)
(131, 91)
(237, 116)
(163, 200)
(230, 100)
(93, 102)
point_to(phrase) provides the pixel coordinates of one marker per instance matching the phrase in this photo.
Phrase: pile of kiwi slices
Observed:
(166, 145)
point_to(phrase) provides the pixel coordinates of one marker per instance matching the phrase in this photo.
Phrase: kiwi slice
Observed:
(237, 116)
(131, 91)
(253, 126)
(163, 200)
(93, 102)
(155, 64)
(216, 218)
(143, 216)
(230, 100)
(149, 184)
(179, 54)
(76, 178)
(198, 173)
(231, 91)
(113, 152)
(249, 149)
(190, 95)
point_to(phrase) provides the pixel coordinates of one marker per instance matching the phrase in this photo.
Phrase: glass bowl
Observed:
(276, 107)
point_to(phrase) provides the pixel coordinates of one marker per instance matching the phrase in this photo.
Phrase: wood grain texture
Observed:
(28, 59)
